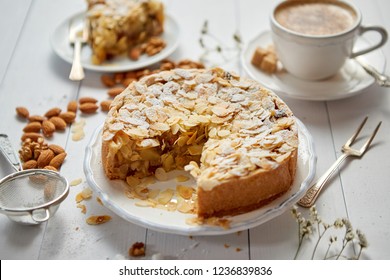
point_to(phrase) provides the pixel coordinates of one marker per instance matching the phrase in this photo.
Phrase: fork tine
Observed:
(367, 144)
(353, 137)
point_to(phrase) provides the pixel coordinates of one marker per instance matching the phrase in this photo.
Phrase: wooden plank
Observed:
(277, 239)
(365, 181)
(209, 247)
(10, 28)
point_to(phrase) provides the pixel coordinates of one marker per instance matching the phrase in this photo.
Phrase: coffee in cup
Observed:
(313, 38)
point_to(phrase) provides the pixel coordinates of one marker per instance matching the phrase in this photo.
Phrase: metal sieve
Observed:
(29, 196)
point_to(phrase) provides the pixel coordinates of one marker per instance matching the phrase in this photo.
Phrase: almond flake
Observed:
(182, 178)
(160, 174)
(165, 196)
(184, 191)
(97, 220)
(76, 182)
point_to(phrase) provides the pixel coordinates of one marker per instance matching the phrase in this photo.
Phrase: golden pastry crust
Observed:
(238, 139)
(241, 195)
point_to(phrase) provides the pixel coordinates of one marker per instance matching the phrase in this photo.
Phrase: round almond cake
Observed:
(236, 138)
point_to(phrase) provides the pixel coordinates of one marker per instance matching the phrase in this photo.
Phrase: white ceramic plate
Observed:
(349, 81)
(112, 194)
(61, 46)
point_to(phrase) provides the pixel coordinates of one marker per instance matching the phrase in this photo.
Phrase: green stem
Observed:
(360, 253)
(342, 249)
(327, 251)
(318, 241)
(300, 239)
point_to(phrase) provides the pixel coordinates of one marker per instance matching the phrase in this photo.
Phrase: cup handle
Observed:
(383, 40)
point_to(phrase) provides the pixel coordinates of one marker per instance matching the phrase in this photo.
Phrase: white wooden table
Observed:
(31, 75)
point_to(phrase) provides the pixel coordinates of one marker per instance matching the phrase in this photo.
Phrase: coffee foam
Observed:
(316, 18)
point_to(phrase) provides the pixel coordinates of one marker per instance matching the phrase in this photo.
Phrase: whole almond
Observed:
(31, 135)
(107, 80)
(45, 158)
(72, 106)
(83, 100)
(118, 77)
(36, 118)
(88, 108)
(68, 117)
(127, 81)
(53, 112)
(48, 167)
(22, 112)
(57, 161)
(58, 122)
(31, 164)
(56, 149)
(135, 53)
(131, 74)
(33, 127)
(105, 105)
(115, 91)
(48, 128)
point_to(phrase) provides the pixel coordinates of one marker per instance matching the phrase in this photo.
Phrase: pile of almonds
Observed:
(35, 152)
(153, 46)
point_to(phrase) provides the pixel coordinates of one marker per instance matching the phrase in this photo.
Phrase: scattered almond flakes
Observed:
(132, 181)
(212, 221)
(182, 178)
(185, 206)
(82, 207)
(165, 196)
(84, 194)
(78, 130)
(137, 249)
(75, 182)
(226, 245)
(184, 191)
(152, 194)
(97, 220)
(145, 203)
(99, 201)
(160, 174)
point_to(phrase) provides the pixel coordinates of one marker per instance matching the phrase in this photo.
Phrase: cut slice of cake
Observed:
(116, 26)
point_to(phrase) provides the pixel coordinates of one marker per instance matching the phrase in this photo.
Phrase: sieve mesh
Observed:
(30, 190)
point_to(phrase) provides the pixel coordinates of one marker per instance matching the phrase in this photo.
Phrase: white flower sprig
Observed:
(214, 49)
(307, 227)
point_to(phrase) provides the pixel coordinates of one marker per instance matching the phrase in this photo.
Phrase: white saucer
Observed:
(350, 80)
(112, 193)
(61, 46)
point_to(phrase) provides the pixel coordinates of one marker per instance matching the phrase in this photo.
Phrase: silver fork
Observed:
(313, 192)
(381, 79)
(77, 36)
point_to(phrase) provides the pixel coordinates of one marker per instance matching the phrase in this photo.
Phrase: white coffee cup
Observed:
(312, 48)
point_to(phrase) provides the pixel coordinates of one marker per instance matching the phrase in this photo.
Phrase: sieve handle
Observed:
(7, 150)
(38, 219)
